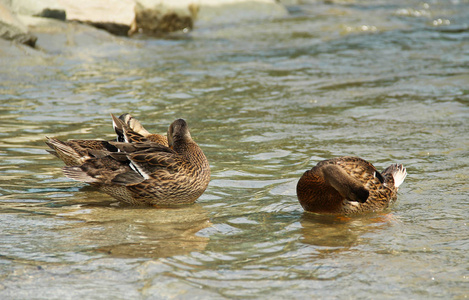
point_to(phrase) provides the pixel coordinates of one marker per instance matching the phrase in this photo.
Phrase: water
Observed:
(265, 100)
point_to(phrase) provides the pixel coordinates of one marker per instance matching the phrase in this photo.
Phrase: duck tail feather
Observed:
(76, 173)
(398, 173)
(65, 152)
(118, 126)
(53, 152)
(135, 125)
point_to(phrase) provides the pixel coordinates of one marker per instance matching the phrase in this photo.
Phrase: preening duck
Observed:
(137, 170)
(348, 185)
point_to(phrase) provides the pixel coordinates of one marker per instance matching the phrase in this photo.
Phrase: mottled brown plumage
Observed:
(348, 185)
(137, 128)
(76, 152)
(139, 171)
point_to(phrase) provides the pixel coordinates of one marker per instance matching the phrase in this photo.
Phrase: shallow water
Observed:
(266, 101)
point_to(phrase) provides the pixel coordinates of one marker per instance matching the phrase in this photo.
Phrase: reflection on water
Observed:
(340, 232)
(265, 101)
(151, 233)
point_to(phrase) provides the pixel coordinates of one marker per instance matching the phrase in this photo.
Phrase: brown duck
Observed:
(348, 185)
(139, 172)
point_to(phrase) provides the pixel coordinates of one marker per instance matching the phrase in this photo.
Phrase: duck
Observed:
(138, 171)
(349, 185)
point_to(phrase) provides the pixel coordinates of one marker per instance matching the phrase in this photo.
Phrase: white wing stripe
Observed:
(139, 170)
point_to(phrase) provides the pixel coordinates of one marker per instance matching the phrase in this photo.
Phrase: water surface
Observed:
(266, 100)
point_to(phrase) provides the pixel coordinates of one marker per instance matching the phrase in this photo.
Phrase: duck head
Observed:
(177, 131)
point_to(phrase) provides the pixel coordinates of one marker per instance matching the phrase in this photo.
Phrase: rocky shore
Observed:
(23, 20)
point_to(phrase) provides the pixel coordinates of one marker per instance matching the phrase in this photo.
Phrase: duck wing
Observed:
(151, 158)
(131, 163)
(358, 168)
(137, 127)
(124, 132)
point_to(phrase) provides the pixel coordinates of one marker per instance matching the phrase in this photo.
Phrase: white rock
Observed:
(31, 7)
(152, 16)
(113, 15)
(11, 28)
(100, 11)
